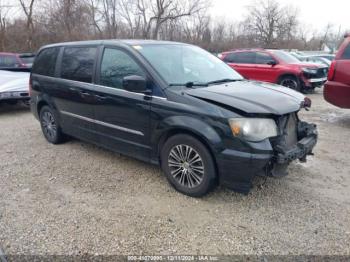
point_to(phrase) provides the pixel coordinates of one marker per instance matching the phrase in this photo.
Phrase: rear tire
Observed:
(188, 165)
(50, 126)
(291, 82)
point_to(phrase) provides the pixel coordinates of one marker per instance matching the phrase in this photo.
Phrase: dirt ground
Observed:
(76, 198)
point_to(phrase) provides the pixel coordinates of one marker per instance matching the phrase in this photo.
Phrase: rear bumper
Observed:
(337, 94)
(15, 95)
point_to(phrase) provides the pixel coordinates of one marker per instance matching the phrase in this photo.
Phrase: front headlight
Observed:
(253, 129)
(310, 71)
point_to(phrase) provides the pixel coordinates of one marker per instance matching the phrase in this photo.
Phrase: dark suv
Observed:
(170, 104)
(276, 66)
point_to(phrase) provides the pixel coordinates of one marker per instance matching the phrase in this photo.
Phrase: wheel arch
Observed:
(183, 130)
(194, 127)
(289, 74)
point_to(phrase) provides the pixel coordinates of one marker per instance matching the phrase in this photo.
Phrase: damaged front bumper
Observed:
(270, 157)
(304, 147)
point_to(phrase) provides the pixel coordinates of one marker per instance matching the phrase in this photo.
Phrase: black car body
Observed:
(122, 99)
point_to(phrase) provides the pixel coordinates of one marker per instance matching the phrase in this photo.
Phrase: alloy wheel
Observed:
(290, 83)
(186, 166)
(49, 125)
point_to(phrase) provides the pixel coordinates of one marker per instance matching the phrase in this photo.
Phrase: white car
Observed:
(14, 86)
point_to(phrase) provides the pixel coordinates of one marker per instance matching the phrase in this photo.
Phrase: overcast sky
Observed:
(313, 13)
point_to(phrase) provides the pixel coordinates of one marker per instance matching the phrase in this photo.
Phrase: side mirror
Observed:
(272, 63)
(135, 83)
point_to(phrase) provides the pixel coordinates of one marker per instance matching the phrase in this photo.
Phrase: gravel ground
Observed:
(76, 198)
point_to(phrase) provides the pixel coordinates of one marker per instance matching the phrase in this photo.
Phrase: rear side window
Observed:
(116, 65)
(243, 58)
(45, 62)
(230, 58)
(78, 63)
(8, 61)
(263, 58)
(346, 54)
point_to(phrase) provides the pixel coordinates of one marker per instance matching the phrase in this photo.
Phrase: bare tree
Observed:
(27, 7)
(263, 20)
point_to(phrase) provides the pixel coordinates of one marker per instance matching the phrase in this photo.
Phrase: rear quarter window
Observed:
(45, 62)
(346, 54)
(78, 63)
(245, 58)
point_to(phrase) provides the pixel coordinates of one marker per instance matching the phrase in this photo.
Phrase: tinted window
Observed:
(8, 61)
(245, 58)
(230, 58)
(346, 54)
(78, 63)
(115, 66)
(263, 58)
(45, 62)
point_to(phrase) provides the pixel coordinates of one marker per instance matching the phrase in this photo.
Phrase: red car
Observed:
(276, 66)
(12, 60)
(337, 88)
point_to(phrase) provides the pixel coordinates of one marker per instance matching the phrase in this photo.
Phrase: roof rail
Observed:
(247, 49)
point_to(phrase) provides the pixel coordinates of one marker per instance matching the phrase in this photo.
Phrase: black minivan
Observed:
(171, 104)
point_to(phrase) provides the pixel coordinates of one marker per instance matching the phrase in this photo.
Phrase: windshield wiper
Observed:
(225, 80)
(189, 84)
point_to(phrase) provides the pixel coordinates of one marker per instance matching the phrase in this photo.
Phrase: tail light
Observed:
(30, 86)
(331, 72)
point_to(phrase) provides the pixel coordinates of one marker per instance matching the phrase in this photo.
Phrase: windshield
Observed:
(181, 64)
(285, 57)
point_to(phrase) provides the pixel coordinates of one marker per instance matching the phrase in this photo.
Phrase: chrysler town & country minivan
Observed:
(171, 104)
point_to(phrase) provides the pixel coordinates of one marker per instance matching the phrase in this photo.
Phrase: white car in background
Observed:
(14, 87)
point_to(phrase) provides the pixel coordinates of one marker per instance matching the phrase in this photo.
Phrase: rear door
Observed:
(264, 71)
(123, 117)
(72, 93)
(243, 62)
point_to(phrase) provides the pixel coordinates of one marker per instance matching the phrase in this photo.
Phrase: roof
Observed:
(129, 42)
(244, 49)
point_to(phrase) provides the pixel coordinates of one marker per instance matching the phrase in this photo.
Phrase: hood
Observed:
(251, 97)
(11, 82)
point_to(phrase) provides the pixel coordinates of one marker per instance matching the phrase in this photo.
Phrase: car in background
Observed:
(14, 87)
(16, 62)
(276, 66)
(337, 88)
(316, 60)
(27, 59)
(329, 57)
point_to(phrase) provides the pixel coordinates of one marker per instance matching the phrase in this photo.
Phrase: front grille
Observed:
(291, 131)
(288, 133)
(322, 72)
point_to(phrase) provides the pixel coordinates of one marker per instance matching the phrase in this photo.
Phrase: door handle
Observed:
(100, 97)
(83, 93)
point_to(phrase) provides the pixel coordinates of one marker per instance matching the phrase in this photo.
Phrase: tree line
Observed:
(25, 25)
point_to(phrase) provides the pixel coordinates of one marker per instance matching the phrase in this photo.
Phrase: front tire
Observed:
(291, 82)
(188, 165)
(50, 126)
